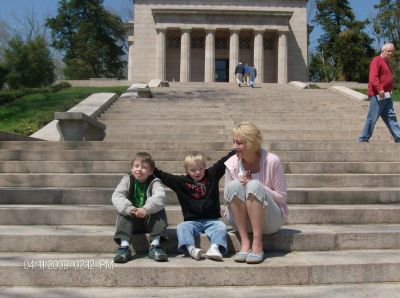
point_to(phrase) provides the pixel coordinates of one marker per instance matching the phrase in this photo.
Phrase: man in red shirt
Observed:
(380, 86)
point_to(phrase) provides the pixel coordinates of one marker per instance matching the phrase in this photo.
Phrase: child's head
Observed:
(142, 166)
(195, 165)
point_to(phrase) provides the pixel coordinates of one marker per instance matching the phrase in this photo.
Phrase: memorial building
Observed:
(203, 40)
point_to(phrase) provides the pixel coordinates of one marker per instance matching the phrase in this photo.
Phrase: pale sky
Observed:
(13, 11)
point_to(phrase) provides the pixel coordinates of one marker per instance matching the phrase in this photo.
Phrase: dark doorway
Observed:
(222, 70)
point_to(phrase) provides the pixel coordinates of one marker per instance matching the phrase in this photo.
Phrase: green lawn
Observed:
(31, 112)
(395, 94)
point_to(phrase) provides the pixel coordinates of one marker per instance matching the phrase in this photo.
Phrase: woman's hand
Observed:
(245, 178)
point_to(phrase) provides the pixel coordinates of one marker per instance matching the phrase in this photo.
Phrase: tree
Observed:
(344, 46)
(386, 28)
(90, 37)
(387, 20)
(29, 64)
(3, 74)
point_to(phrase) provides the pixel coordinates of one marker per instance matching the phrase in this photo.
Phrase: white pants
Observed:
(273, 215)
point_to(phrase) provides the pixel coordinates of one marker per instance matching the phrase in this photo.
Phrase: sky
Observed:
(14, 11)
(362, 9)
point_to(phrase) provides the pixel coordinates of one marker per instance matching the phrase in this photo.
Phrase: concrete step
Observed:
(177, 167)
(116, 128)
(106, 214)
(123, 145)
(204, 145)
(295, 268)
(377, 290)
(343, 180)
(122, 124)
(111, 180)
(336, 136)
(101, 155)
(24, 159)
(77, 239)
(96, 196)
(332, 146)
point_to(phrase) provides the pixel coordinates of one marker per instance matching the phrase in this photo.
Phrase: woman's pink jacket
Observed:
(272, 177)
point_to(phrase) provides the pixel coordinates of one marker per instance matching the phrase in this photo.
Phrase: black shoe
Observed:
(158, 254)
(123, 255)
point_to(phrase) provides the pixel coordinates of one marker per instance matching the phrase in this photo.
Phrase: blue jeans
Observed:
(383, 108)
(215, 230)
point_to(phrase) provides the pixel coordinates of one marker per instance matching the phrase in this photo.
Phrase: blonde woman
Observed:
(255, 192)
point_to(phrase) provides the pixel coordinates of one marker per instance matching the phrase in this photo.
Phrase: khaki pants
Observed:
(155, 224)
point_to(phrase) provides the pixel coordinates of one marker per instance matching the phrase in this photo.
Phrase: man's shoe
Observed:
(123, 255)
(213, 253)
(158, 254)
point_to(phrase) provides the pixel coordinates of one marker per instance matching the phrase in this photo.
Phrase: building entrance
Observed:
(222, 70)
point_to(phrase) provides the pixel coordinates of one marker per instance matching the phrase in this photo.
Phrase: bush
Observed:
(397, 86)
(8, 96)
(29, 63)
(3, 74)
(60, 86)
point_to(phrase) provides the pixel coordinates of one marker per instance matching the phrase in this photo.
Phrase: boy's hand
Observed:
(139, 212)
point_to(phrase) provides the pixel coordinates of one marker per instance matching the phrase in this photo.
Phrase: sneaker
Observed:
(213, 253)
(123, 255)
(196, 253)
(158, 254)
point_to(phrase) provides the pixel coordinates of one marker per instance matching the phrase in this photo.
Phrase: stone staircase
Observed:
(342, 235)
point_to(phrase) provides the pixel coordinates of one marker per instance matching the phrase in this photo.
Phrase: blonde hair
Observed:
(250, 134)
(194, 157)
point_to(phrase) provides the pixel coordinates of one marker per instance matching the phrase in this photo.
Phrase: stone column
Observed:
(259, 54)
(209, 65)
(130, 61)
(185, 56)
(233, 54)
(161, 72)
(282, 58)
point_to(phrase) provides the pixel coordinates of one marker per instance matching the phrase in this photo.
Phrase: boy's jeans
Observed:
(383, 108)
(155, 224)
(215, 230)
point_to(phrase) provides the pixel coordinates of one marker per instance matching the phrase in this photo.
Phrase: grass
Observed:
(31, 112)
(395, 94)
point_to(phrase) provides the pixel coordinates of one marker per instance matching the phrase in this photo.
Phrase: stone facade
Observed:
(203, 40)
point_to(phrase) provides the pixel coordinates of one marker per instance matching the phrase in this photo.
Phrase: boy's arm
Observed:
(157, 200)
(167, 179)
(219, 166)
(120, 197)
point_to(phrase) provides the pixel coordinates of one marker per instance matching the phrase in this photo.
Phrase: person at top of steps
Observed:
(380, 86)
(198, 195)
(255, 192)
(140, 201)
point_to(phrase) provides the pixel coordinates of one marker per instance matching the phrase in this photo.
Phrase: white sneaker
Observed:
(213, 253)
(196, 253)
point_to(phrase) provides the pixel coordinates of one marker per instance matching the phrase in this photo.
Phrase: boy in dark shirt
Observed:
(198, 195)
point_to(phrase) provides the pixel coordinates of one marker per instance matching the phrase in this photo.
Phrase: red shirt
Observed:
(380, 76)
